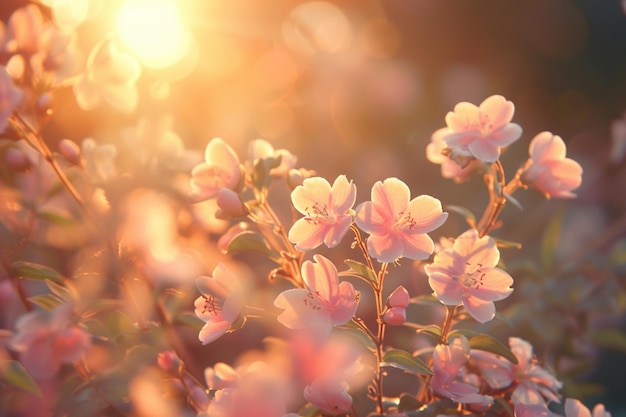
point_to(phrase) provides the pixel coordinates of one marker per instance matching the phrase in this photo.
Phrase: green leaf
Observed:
(359, 270)
(261, 177)
(466, 213)
(431, 329)
(550, 240)
(488, 343)
(56, 217)
(13, 373)
(251, 241)
(400, 359)
(65, 292)
(190, 320)
(507, 244)
(611, 339)
(46, 301)
(34, 271)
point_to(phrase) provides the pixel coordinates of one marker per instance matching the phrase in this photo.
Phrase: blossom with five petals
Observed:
(327, 212)
(221, 169)
(533, 384)
(481, 131)
(220, 304)
(397, 226)
(467, 274)
(324, 303)
(550, 171)
(435, 152)
(574, 408)
(448, 361)
(110, 76)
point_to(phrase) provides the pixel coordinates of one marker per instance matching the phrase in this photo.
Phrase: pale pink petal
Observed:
(494, 285)
(522, 350)
(373, 219)
(497, 377)
(313, 193)
(481, 310)
(337, 231)
(600, 411)
(460, 140)
(71, 343)
(345, 304)
(484, 150)
(417, 247)
(395, 316)
(343, 195)
(306, 234)
(40, 359)
(447, 290)
(507, 135)
(321, 276)
(462, 117)
(385, 248)
(574, 408)
(296, 312)
(436, 145)
(477, 252)
(526, 393)
(532, 410)
(223, 157)
(213, 330)
(329, 395)
(499, 110)
(546, 146)
(392, 195)
(426, 214)
(399, 298)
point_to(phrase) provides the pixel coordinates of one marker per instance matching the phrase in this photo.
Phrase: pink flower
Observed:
(397, 302)
(574, 408)
(533, 384)
(111, 76)
(481, 131)
(460, 170)
(10, 97)
(327, 212)
(550, 171)
(397, 226)
(329, 395)
(221, 169)
(324, 303)
(532, 410)
(448, 363)
(467, 274)
(47, 340)
(260, 149)
(220, 304)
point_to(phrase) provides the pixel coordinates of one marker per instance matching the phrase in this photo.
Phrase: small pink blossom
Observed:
(467, 274)
(448, 363)
(397, 302)
(324, 303)
(221, 169)
(574, 408)
(482, 131)
(329, 395)
(220, 304)
(260, 149)
(111, 76)
(532, 410)
(397, 226)
(327, 212)
(459, 171)
(10, 97)
(533, 384)
(47, 340)
(550, 171)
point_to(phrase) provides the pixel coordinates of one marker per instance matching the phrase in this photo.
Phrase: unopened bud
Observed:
(17, 160)
(230, 204)
(395, 316)
(399, 298)
(70, 151)
(168, 361)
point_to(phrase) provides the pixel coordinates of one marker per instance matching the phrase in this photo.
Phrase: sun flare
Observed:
(153, 30)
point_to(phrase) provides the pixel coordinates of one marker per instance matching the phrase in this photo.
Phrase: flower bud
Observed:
(17, 160)
(399, 298)
(70, 151)
(168, 361)
(395, 316)
(230, 205)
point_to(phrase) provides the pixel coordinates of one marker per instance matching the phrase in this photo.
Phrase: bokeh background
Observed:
(358, 87)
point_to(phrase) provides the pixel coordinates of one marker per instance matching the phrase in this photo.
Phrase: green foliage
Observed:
(35, 271)
(401, 359)
(14, 374)
(359, 270)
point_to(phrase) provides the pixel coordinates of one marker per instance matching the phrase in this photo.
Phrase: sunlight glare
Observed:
(153, 30)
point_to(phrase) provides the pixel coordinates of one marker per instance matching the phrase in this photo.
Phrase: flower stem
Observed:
(496, 199)
(380, 336)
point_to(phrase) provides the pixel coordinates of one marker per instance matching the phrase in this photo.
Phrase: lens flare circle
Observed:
(153, 30)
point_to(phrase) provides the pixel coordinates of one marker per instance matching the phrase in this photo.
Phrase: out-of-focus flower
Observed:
(467, 274)
(111, 76)
(10, 97)
(17, 160)
(45, 340)
(533, 384)
(220, 304)
(258, 391)
(296, 177)
(230, 204)
(260, 149)
(481, 131)
(574, 408)
(99, 160)
(550, 171)
(23, 30)
(329, 395)
(618, 139)
(70, 151)
(327, 212)
(220, 376)
(324, 303)
(397, 302)
(397, 226)
(448, 361)
(221, 169)
(532, 410)
(435, 152)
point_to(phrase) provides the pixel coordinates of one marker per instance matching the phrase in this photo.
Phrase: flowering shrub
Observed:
(117, 284)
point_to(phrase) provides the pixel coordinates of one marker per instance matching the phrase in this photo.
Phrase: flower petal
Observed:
(313, 195)
(447, 290)
(213, 330)
(426, 213)
(392, 196)
(499, 110)
(481, 310)
(385, 248)
(494, 285)
(343, 195)
(417, 247)
(306, 234)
